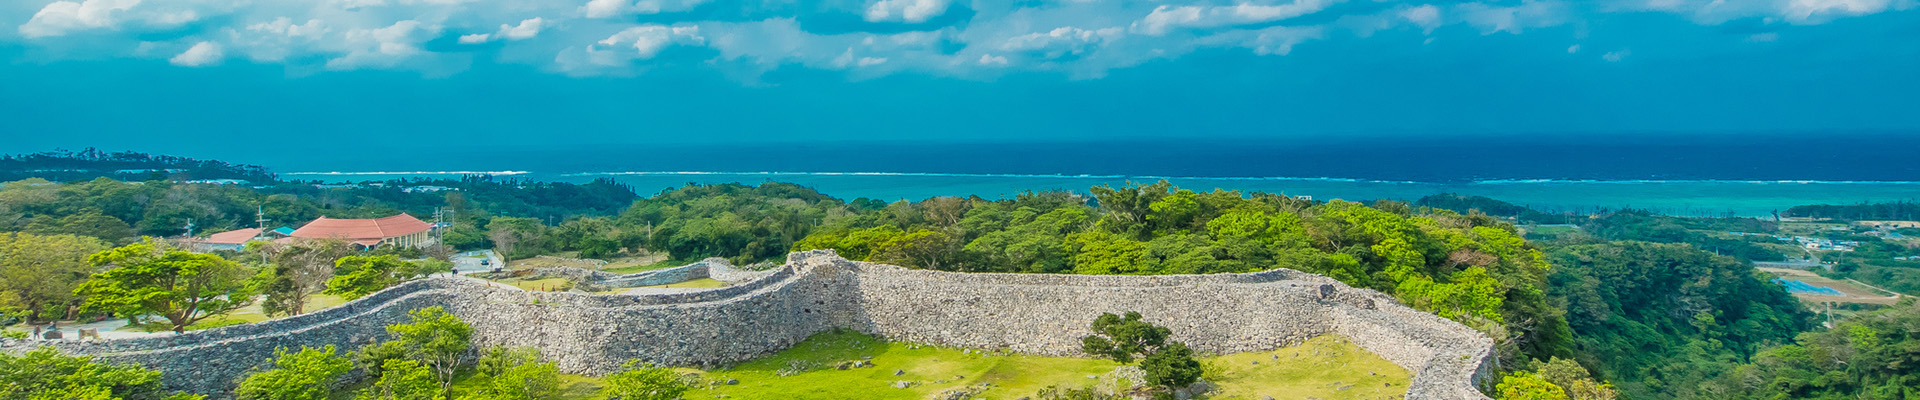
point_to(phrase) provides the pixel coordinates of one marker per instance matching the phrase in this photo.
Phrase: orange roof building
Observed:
(398, 230)
(234, 237)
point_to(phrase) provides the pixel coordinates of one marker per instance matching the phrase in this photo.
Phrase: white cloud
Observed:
(910, 11)
(1079, 38)
(385, 47)
(1426, 16)
(203, 53)
(1492, 19)
(284, 26)
(1062, 41)
(616, 8)
(1165, 18)
(605, 8)
(1810, 10)
(358, 4)
(1278, 40)
(527, 29)
(1254, 12)
(60, 17)
(1616, 56)
(648, 40)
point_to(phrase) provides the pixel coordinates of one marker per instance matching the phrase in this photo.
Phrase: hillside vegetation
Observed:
(1633, 298)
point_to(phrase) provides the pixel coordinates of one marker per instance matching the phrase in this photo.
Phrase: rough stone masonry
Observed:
(818, 291)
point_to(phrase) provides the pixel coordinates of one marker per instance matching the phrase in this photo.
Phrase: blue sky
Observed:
(296, 75)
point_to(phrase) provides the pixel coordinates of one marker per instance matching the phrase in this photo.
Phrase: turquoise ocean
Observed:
(1703, 175)
(1689, 197)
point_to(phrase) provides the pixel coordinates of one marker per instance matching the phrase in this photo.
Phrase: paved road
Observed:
(470, 262)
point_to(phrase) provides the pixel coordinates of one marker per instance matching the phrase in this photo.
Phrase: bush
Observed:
(47, 374)
(1172, 366)
(517, 374)
(1168, 364)
(642, 381)
(1057, 393)
(305, 375)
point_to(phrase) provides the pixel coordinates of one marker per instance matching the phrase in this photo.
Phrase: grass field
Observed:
(1852, 292)
(540, 285)
(702, 283)
(1326, 368)
(657, 263)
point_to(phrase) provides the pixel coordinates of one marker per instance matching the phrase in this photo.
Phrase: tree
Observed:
(515, 236)
(517, 374)
(305, 375)
(298, 272)
(641, 381)
(46, 374)
(404, 379)
(89, 223)
(1121, 338)
(357, 276)
(1527, 386)
(434, 340)
(1169, 364)
(1575, 379)
(37, 272)
(182, 287)
(1172, 366)
(923, 248)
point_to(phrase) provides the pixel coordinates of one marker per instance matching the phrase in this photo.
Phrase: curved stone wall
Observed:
(818, 291)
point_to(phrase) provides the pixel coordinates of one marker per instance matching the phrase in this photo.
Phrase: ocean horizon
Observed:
(1750, 198)
(1701, 175)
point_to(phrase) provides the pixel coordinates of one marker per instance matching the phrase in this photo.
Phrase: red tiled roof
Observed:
(359, 230)
(240, 236)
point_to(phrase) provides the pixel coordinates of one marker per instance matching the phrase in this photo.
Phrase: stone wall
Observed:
(600, 280)
(818, 291)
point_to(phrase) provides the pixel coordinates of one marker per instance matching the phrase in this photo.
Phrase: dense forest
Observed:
(92, 163)
(1904, 211)
(1642, 306)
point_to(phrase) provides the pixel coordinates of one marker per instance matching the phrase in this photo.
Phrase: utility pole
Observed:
(189, 227)
(439, 242)
(260, 217)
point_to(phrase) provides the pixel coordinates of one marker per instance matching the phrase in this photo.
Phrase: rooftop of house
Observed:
(362, 230)
(237, 236)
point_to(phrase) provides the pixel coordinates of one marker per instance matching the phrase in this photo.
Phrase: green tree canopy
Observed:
(434, 340)
(180, 286)
(46, 374)
(298, 272)
(357, 276)
(1123, 338)
(517, 374)
(305, 375)
(642, 381)
(40, 272)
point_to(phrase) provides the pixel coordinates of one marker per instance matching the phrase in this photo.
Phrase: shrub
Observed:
(642, 381)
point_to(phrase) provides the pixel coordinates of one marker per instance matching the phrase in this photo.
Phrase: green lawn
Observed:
(245, 315)
(702, 283)
(662, 264)
(1325, 368)
(545, 285)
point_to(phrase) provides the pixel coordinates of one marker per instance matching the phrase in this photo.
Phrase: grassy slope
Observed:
(1319, 368)
(702, 283)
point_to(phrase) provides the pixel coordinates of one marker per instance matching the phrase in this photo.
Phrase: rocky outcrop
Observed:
(818, 291)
